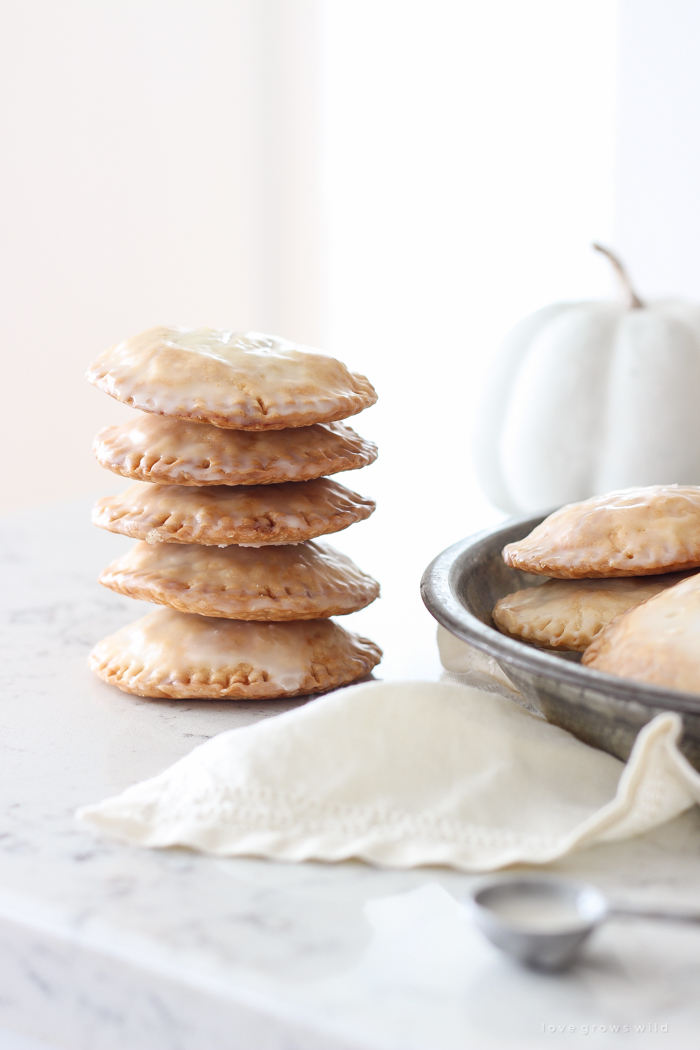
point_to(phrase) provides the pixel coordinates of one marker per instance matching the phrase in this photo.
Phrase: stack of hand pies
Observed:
(624, 587)
(230, 463)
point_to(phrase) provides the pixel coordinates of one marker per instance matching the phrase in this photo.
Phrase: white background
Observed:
(159, 163)
(467, 163)
(657, 212)
(397, 180)
(394, 180)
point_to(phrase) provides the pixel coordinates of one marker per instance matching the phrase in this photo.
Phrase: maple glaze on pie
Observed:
(173, 654)
(635, 532)
(568, 614)
(656, 642)
(174, 451)
(245, 514)
(300, 582)
(245, 381)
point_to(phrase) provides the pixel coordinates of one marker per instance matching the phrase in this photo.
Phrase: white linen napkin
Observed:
(405, 774)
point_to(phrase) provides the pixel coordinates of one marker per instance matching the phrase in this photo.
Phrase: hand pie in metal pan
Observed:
(245, 381)
(305, 581)
(174, 451)
(635, 532)
(172, 654)
(568, 614)
(657, 642)
(253, 515)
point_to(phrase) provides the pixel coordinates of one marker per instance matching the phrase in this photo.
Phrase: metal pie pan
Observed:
(460, 588)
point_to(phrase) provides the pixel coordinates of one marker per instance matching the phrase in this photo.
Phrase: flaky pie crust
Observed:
(180, 656)
(301, 582)
(635, 532)
(248, 514)
(568, 614)
(245, 381)
(656, 642)
(174, 451)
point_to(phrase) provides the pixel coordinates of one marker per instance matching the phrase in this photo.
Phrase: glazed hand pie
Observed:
(171, 654)
(251, 515)
(165, 450)
(569, 614)
(657, 642)
(245, 381)
(301, 582)
(636, 532)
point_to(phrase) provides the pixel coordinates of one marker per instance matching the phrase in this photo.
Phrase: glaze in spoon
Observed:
(543, 921)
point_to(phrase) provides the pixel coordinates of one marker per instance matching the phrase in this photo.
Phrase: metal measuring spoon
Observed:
(543, 921)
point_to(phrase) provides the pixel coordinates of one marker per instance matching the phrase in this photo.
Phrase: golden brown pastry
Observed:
(173, 451)
(657, 642)
(172, 654)
(635, 532)
(569, 614)
(247, 514)
(301, 582)
(245, 381)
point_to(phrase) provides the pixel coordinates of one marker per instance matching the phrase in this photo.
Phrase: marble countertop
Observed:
(106, 946)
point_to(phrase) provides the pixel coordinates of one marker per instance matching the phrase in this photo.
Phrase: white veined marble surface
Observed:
(106, 946)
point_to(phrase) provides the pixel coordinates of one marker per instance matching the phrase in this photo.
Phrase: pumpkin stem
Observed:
(633, 300)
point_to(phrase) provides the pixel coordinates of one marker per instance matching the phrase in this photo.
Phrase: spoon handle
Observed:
(653, 913)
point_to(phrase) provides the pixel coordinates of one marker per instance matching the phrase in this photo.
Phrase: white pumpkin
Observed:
(588, 397)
